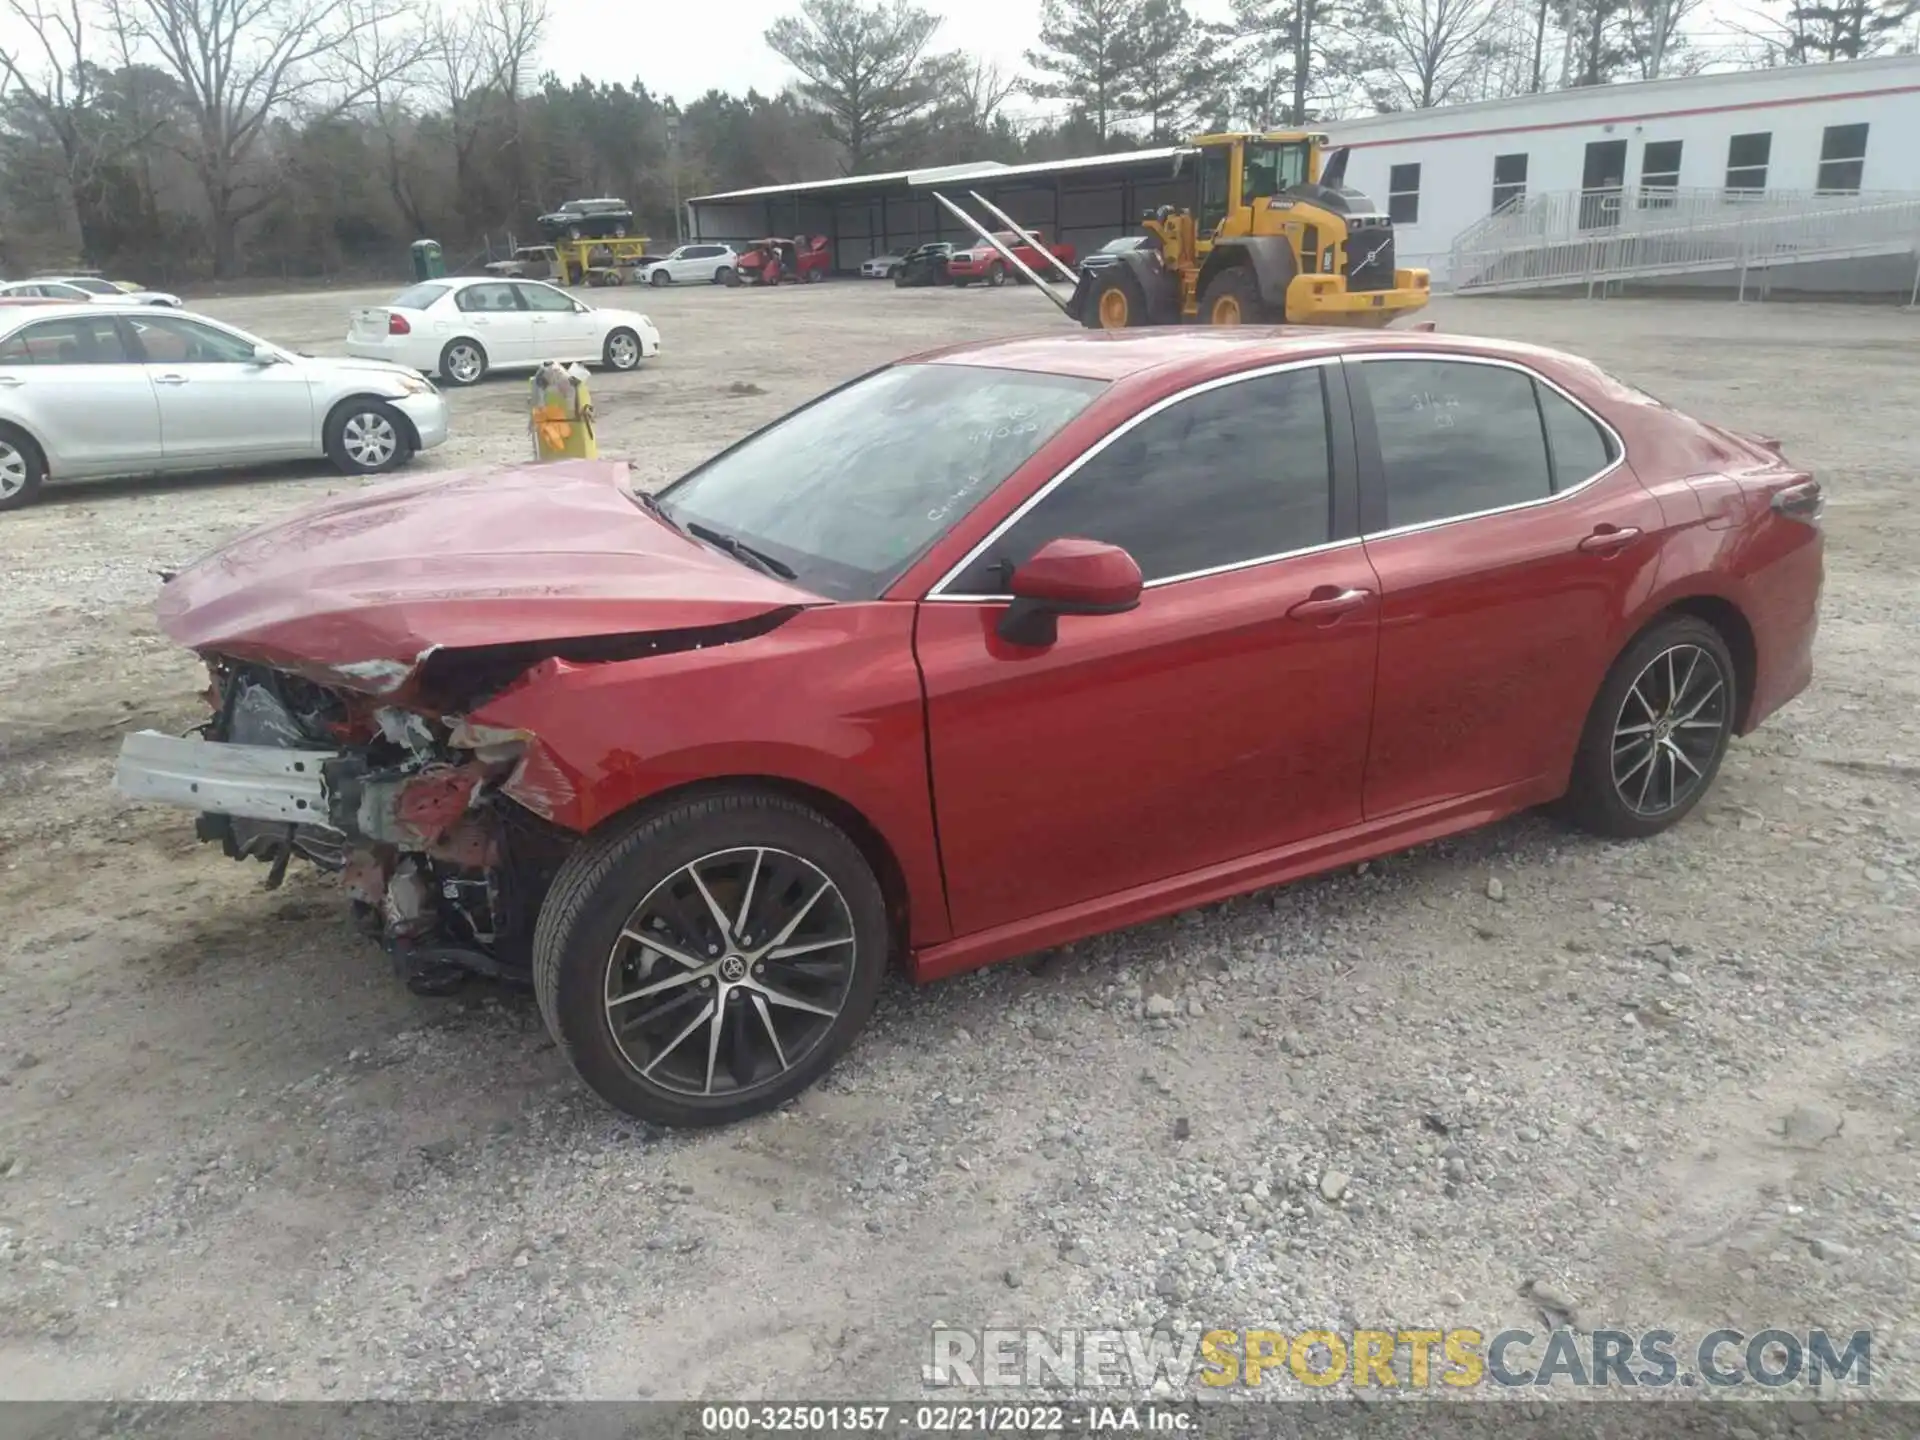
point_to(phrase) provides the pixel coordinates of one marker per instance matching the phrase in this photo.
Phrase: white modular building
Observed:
(1804, 176)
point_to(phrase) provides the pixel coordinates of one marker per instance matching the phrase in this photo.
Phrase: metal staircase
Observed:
(1597, 237)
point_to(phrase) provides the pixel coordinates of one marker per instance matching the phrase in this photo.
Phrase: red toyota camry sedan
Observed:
(980, 653)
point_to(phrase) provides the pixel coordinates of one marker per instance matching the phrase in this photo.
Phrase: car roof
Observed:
(1204, 350)
(60, 309)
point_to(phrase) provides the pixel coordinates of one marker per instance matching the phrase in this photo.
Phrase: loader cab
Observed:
(1238, 171)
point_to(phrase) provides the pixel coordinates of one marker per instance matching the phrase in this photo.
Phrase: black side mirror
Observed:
(1068, 576)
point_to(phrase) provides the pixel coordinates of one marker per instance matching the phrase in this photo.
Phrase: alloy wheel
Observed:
(369, 439)
(730, 972)
(1669, 730)
(624, 352)
(464, 361)
(13, 471)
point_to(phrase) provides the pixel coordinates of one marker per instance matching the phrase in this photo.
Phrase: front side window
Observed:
(1233, 474)
(95, 287)
(1271, 169)
(545, 299)
(167, 340)
(850, 490)
(486, 298)
(78, 340)
(1456, 438)
(1403, 194)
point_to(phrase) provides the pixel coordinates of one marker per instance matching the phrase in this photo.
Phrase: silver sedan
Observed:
(91, 390)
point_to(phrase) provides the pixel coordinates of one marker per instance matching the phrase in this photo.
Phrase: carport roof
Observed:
(1127, 161)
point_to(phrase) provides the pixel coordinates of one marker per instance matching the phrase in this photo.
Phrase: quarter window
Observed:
(1456, 438)
(487, 298)
(1843, 159)
(79, 340)
(1581, 449)
(1232, 474)
(1403, 194)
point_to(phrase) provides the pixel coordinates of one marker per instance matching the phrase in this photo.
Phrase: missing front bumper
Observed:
(247, 782)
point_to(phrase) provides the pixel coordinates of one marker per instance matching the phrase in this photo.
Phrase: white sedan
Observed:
(880, 267)
(91, 390)
(82, 289)
(462, 327)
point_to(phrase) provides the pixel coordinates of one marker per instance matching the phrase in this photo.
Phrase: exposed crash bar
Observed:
(253, 782)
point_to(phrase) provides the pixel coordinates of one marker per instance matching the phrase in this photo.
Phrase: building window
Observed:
(1403, 195)
(1747, 163)
(1659, 174)
(1509, 179)
(1843, 156)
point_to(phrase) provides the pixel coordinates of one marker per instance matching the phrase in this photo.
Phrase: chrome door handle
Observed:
(169, 379)
(1606, 539)
(11, 381)
(1327, 603)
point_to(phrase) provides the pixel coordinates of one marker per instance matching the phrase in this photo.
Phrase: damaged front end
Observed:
(408, 808)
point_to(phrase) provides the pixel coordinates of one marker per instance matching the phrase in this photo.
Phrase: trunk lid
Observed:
(368, 323)
(358, 590)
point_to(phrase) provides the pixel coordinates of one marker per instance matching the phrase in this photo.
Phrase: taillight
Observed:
(1803, 501)
(397, 324)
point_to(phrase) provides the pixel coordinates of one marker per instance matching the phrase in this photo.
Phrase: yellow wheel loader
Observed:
(1271, 235)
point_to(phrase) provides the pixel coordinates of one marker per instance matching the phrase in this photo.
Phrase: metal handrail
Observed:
(1568, 237)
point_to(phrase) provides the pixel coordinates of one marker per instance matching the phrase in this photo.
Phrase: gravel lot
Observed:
(1675, 1083)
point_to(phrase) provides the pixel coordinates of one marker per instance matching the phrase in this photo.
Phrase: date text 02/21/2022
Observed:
(941, 1419)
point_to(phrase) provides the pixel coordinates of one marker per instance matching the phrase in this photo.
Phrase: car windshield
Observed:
(850, 490)
(417, 297)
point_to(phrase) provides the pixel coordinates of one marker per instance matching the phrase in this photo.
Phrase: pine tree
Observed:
(1845, 29)
(1092, 49)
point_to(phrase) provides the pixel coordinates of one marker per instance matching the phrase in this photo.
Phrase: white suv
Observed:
(710, 262)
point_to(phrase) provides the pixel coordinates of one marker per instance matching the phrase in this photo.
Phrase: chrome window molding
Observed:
(1619, 445)
(1067, 472)
(939, 591)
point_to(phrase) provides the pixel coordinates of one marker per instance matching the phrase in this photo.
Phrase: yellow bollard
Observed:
(561, 415)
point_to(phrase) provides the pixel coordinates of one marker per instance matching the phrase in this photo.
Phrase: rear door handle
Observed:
(169, 379)
(1328, 603)
(1606, 539)
(11, 381)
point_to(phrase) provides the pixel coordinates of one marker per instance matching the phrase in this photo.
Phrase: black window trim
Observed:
(1340, 476)
(1372, 470)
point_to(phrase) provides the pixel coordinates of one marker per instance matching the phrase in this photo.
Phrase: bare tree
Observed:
(479, 65)
(1654, 32)
(1431, 51)
(982, 90)
(387, 55)
(242, 63)
(59, 85)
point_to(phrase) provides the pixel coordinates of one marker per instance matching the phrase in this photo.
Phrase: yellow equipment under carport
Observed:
(561, 414)
(1270, 234)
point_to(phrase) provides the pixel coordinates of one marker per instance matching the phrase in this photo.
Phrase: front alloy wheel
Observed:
(750, 959)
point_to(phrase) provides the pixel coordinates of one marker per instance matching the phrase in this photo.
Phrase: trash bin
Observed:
(561, 414)
(428, 262)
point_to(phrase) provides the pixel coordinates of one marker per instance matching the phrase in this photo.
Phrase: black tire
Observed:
(455, 370)
(603, 883)
(367, 437)
(996, 275)
(1596, 800)
(899, 279)
(23, 468)
(893, 272)
(1237, 290)
(726, 275)
(1114, 302)
(659, 276)
(619, 232)
(618, 356)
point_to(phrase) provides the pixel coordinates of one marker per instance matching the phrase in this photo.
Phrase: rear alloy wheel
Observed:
(1233, 298)
(711, 962)
(21, 470)
(1657, 732)
(622, 350)
(463, 362)
(996, 275)
(366, 437)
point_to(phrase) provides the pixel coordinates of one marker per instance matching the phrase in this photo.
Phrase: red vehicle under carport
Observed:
(774, 260)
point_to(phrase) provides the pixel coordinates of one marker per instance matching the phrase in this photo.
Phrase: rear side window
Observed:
(487, 298)
(1456, 438)
(1581, 449)
(418, 297)
(79, 340)
(1230, 475)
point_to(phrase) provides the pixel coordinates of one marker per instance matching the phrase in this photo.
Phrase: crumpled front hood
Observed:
(359, 589)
